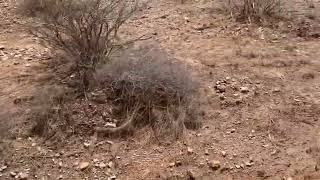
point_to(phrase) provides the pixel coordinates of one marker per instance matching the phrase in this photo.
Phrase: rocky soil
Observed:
(261, 91)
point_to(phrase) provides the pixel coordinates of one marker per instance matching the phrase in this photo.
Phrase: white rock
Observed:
(112, 125)
(13, 174)
(223, 153)
(23, 176)
(84, 165)
(86, 144)
(112, 177)
(102, 165)
(244, 89)
(3, 168)
(190, 150)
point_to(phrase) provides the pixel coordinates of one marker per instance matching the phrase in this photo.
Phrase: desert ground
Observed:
(260, 100)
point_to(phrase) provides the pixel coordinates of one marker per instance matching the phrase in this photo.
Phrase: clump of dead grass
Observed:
(255, 11)
(148, 88)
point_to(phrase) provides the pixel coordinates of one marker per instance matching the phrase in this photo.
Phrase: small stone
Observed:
(83, 165)
(172, 164)
(3, 168)
(178, 163)
(244, 89)
(13, 174)
(23, 176)
(221, 88)
(86, 144)
(232, 130)
(112, 177)
(206, 152)
(110, 125)
(15, 63)
(275, 90)
(222, 97)
(224, 154)
(215, 164)
(60, 177)
(242, 165)
(249, 164)
(238, 166)
(111, 164)
(102, 165)
(33, 144)
(190, 150)
(2, 47)
(191, 175)
(28, 65)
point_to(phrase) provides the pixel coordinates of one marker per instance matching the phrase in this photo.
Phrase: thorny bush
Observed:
(87, 30)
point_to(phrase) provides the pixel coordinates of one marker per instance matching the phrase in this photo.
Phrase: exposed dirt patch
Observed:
(261, 111)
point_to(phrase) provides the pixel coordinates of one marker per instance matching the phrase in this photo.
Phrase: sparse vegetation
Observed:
(85, 30)
(255, 11)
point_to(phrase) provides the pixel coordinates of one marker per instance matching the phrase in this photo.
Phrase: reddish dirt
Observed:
(266, 120)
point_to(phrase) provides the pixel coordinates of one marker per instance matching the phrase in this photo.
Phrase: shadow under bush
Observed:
(146, 87)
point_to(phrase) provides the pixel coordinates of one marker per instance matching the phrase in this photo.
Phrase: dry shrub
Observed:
(255, 11)
(49, 111)
(148, 88)
(86, 30)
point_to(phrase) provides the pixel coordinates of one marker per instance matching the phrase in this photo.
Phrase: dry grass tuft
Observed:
(149, 89)
(255, 11)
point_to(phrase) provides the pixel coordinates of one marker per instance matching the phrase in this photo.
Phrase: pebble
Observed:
(110, 125)
(2, 47)
(84, 165)
(86, 144)
(190, 150)
(215, 164)
(221, 88)
(232, 130)
(112, 177)
(238, 166)
(23, 176)
(222, 97)
(191, 175)
(275, 90)
(13, 174)
(3, 168)
(244, 89)
(102, 165)
(206, 152)
(224, 154)
(172, 164)
(111, 164)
